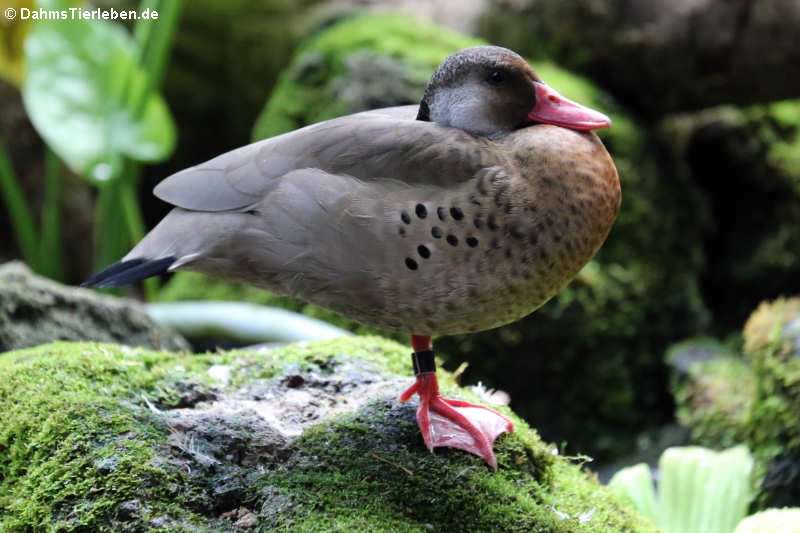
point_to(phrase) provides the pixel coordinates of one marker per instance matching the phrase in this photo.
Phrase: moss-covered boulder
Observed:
(309, 437)
(361, 62)
(772, 345)
(595, 351)
(35, 310)
(752, 398)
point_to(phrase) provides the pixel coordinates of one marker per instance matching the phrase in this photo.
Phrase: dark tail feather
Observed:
(127, 272)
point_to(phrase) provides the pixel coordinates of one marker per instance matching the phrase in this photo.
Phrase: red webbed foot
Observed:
(453, 423)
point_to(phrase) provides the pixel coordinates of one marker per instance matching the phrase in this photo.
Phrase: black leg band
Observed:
(423, 362)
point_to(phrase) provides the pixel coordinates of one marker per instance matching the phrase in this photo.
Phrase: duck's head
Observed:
(490, 91)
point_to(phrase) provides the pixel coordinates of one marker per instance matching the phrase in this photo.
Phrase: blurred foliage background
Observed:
(705, 99)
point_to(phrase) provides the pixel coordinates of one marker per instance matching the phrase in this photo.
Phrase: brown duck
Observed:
(461, 214)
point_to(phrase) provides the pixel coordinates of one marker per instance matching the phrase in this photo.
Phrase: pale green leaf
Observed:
(636, 483)
(771, 521)
(703, 491)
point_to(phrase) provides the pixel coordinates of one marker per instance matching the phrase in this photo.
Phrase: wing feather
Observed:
(373, 145)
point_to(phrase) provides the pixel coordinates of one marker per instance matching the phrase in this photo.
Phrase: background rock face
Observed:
(308, 437)
(745, 162)
(35, 310)
(662, 56)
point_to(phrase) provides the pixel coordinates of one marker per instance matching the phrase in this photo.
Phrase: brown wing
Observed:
(382, 144)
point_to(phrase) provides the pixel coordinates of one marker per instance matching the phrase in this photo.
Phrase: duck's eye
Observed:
(496, 77)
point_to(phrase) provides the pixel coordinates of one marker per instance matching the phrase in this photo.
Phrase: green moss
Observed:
(80, 447)
(447, 491)
(782, 137)
(69, 453)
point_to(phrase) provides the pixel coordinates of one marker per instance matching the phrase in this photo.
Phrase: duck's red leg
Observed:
(453, 423)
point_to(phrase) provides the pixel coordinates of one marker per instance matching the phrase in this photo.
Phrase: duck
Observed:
(461, 214)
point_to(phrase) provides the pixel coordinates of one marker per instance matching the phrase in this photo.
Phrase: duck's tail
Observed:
(182, 239)
(130, 271)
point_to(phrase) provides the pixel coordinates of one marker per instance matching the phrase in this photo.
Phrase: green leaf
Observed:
(703, 491)
(636, 483)
(86, 96)
(18, 210)
(700, 490)
(771, 521)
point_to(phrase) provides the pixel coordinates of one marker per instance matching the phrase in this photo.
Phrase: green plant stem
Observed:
(51, 247)
(129, 198)
(109, 229)
(155, 39)
(18, 211)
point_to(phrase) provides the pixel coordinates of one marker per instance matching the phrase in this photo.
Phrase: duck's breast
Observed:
(500, 245)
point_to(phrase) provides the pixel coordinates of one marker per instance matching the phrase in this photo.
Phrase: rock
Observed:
(307, 437)
(601, 383)
(662, 56)
(35, 310)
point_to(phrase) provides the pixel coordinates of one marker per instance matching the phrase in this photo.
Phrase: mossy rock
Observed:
(35, 310)
(362, 62)
(772, 344)
(752, 398)
(308, 437)
(599, 344)
(714, 389)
